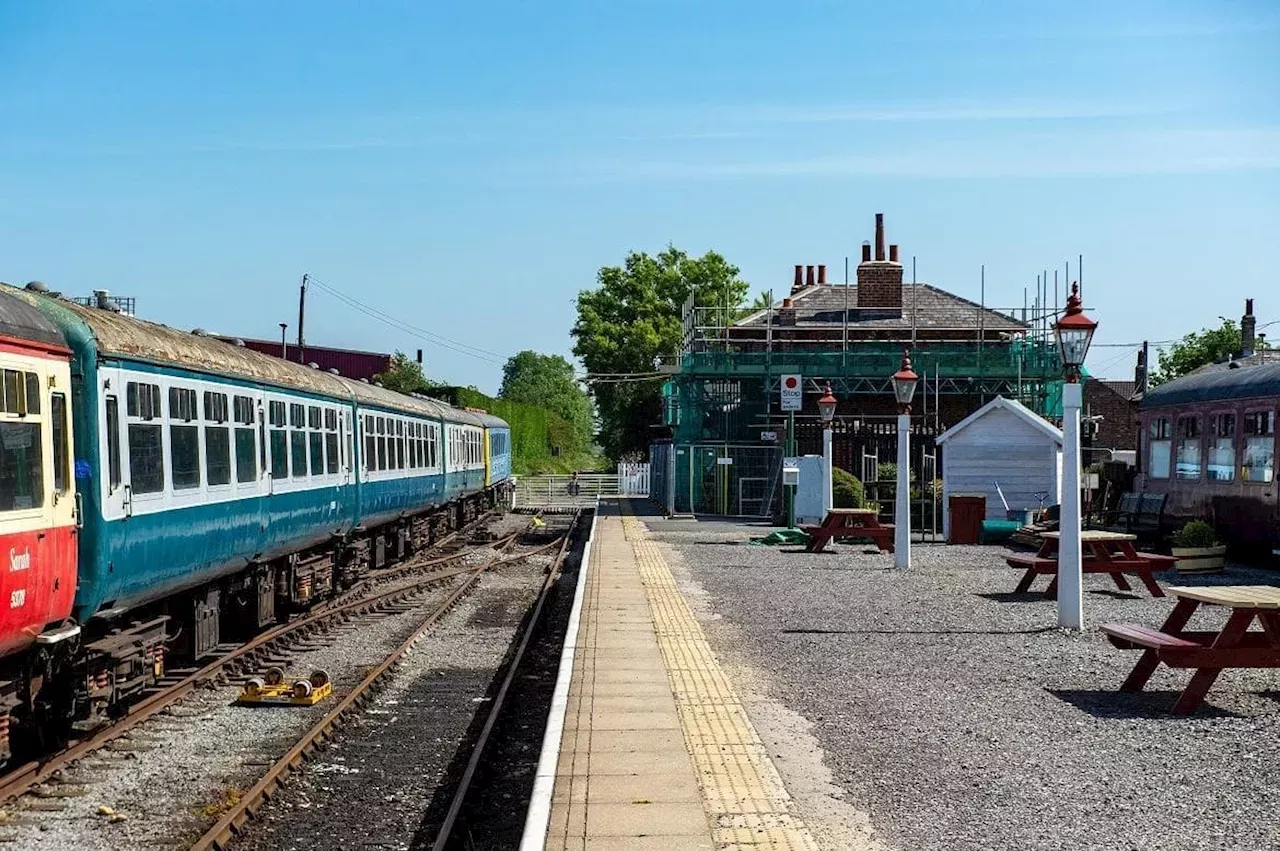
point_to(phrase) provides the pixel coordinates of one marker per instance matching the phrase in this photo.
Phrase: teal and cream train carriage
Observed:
(219, 487)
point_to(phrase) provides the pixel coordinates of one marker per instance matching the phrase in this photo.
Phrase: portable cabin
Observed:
(1001, 448)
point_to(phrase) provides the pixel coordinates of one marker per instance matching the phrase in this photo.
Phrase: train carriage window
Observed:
(399, 444)
(246, 455)
(1221, 465)
(331, 451)
(279, 454)
(184, 461)
(316, 440)
(382, 443)
(1188, 463)
(370, 445)
(298, 458)
(182, 404)
(58, 431)
(277, 413)
(1160, 448)
(14, 391)
(21, 466)
(1258, 465)
(217, 455)
(413, 446)
(142, 400)
(31, 402)
(313, 417)
(113, 442)
(146, 458)
(215, 407)
(330, 419)
(243, 410)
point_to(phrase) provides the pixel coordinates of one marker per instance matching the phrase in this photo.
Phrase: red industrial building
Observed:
(348, 362)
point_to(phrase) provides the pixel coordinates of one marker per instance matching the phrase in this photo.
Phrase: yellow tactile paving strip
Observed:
(741, 790)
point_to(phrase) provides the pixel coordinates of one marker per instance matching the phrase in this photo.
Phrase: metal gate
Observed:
(724, 479)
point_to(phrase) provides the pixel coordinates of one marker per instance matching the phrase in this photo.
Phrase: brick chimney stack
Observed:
(880, 280)
(1248, 329)
(808, 276)
(798, 283)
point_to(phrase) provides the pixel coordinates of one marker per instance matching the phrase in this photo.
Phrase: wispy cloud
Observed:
(1174, 152)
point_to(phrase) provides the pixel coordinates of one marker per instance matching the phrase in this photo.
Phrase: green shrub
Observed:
(1195, 535)
(846, 490)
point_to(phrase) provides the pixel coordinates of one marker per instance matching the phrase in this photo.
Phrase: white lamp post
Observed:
(1074, 332)
(827, 409)
(904, 388)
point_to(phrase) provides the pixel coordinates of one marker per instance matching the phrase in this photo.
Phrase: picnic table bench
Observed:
(1233, 646)
(850, 523)
(1111, 553)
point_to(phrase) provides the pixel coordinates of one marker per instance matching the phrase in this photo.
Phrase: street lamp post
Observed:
(827, 409)
(1074, 332)
(904, 388)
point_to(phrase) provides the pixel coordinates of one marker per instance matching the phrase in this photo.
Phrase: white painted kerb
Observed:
(539, 814)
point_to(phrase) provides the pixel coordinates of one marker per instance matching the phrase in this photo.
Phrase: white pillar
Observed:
(902, 498)
(828, 481)
(1070, 569)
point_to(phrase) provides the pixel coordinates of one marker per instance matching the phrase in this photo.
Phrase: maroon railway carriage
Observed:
(1209, 442)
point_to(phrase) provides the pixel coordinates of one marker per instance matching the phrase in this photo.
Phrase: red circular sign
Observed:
(791, 382)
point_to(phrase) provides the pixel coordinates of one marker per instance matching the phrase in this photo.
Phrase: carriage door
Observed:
(117, 501)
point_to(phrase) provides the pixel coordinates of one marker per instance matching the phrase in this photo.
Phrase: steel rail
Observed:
(20, 780)
(495, 710)
(233, 821)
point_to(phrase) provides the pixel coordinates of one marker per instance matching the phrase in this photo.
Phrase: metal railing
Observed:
(561, 491)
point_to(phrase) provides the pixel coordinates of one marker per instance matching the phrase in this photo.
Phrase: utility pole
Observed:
(302, 310)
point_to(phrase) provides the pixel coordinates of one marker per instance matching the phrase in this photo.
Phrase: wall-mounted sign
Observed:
(769, 436)
(724, 461)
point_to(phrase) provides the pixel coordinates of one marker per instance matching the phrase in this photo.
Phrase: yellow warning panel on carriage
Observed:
(273, 689)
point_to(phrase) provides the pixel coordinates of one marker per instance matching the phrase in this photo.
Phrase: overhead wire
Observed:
(401, 325)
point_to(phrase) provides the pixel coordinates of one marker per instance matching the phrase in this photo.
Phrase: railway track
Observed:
(406, 580)
(237, 817)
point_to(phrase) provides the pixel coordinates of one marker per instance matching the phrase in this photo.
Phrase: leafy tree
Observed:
(630, 319)
(547, 381)
(404, 376)
(1210, 345)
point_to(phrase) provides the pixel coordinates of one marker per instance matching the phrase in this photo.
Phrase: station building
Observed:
(722, 400)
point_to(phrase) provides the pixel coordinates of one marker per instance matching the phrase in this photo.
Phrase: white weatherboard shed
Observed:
(1002, 442)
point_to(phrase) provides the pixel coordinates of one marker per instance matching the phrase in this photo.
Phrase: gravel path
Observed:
(959, 717)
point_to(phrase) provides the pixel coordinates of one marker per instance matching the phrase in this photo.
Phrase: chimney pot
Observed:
(879, 236)
(786, 302)
(808, 276)
(893, 253)
(866, 252)
(799, 281)
(822, 275)
(1248, 307)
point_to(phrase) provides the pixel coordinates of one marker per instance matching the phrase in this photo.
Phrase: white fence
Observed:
(564, 491)
(633, 479)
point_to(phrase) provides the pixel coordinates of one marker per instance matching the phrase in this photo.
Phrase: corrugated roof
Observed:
(928, 306)
(1259, 380)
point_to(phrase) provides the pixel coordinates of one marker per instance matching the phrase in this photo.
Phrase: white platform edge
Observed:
(538, 817)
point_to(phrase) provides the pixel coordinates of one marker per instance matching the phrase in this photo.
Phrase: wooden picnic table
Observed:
(850, 523)
(1233, 646)
(1112, 553)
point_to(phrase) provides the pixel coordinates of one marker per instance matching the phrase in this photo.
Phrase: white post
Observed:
(902, 500)
(1070, 569)
(828, 480)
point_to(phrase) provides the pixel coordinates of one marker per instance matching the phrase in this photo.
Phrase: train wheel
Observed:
(274, 676)
(319, 678)
(302, 689)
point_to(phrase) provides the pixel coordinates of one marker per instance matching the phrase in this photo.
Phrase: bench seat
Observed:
(1129, 636)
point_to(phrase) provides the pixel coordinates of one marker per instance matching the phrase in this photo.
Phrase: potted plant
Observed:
(1197, 549)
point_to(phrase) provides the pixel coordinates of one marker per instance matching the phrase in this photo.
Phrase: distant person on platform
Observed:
(574, 487)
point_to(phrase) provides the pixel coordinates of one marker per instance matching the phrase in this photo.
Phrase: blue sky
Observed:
(467, 167)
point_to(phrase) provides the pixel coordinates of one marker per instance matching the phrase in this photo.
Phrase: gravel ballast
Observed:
(957, 716)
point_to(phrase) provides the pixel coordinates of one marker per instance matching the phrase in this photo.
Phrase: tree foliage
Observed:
(630, 319)
(547, 381)
(404, 376)
(1210, 345)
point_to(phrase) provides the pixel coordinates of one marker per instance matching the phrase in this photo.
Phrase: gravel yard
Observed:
(957, 716)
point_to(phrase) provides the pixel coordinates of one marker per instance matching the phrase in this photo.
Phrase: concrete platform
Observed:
(656, 751)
